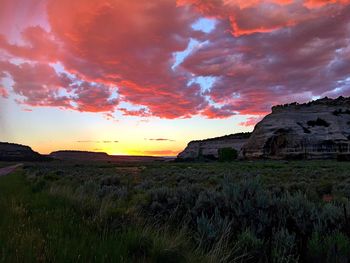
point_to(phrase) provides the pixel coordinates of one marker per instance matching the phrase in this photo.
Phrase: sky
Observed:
(147, 77)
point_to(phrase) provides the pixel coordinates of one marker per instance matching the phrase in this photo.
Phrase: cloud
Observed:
(321, 3)
(135, 44)
(260, 53)
(38, 84)
(143, 112)
(160, 139)
(256, 16)
(91, 141)
(37, 44)
(3, 92)
(256, 71)
(251, 121)
(93, 97)
(213, 112)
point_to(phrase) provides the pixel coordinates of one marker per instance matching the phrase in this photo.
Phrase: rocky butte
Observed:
(17, 152)
(316, 130)
(319, 129)
(209, 148)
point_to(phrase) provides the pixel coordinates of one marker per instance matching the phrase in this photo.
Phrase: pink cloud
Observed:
(251, 121)
(3, 92)
(37, 84)
(93, 97)
(131, 45)
(260, 53)
(258, 70)
(40, 85)
(257, 16)
(39, 45)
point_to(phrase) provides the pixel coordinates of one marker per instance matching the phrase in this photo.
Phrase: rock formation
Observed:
(316, 130)
(17, 152)
(79, 155)
(209, 148)
(101, 157)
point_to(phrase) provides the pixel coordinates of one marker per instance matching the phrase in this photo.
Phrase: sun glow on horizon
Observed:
(147, 77)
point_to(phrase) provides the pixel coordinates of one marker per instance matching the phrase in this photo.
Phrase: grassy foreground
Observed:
(38, 227)
(264, 211)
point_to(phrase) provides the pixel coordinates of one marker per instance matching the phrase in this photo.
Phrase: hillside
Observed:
(101, 156)
(18, 152)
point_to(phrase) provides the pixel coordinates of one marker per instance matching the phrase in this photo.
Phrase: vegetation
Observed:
(227, 154)
(263, 211)
(318, 122)
(5, 164)
(38, 224)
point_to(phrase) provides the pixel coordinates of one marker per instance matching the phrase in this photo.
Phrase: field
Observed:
(263, 211)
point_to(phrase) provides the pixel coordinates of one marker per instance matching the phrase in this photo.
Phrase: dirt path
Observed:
(9, 169)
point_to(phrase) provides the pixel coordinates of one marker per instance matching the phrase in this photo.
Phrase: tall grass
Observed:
(37, 226)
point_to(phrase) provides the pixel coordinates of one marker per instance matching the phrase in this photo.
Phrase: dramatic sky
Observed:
(146, 77)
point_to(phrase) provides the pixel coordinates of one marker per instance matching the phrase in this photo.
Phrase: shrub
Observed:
(250, 246)
(211, 230)
(329, 248)
(227, 154)
(318, 122)
(284, 249)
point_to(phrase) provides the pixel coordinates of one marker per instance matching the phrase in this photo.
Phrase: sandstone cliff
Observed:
(316, 130)
(17, 152)
(209, 148)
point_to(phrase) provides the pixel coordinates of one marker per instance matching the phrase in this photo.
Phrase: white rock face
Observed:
(316, 130)
(209, 148)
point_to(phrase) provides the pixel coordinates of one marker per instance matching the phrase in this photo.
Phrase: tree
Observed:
(227, 154)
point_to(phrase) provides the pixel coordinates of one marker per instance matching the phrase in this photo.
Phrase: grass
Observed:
(39, 227)
(262, 211)
(4, 164)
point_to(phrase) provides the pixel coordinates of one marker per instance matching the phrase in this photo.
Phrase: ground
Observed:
(262, 211)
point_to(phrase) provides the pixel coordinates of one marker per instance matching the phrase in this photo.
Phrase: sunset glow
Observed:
(146, 77)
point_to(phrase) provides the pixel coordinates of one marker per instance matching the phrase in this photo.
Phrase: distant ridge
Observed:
(100, 156)
(19, 153)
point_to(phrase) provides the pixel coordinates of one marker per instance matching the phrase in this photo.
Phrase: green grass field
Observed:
(264, 211)
(4, 164)
(36, 226)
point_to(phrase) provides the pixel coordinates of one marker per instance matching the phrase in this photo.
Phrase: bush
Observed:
(329, 248)
(318, 122)
(227, 154)
(249, 246)
(284, 248)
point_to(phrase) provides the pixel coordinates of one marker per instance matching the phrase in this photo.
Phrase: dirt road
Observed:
(9, 169)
